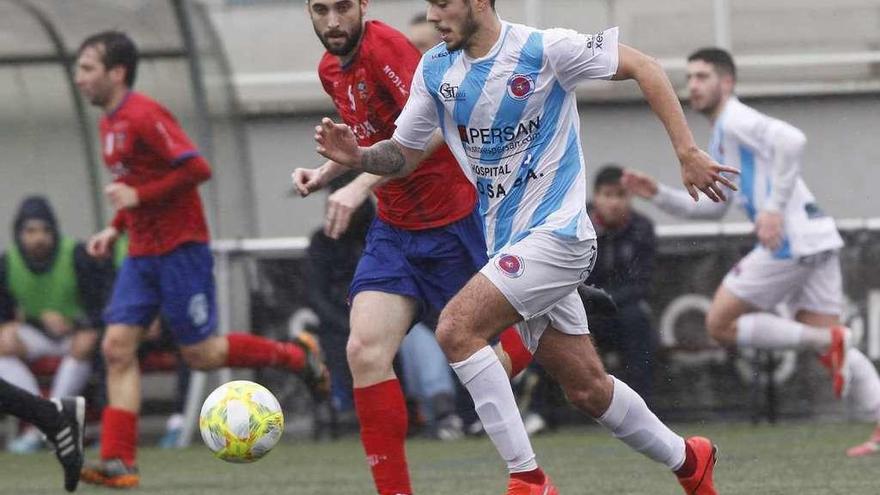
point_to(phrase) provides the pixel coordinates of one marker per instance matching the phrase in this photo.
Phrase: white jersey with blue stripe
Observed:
(510, 118)
(744, 138)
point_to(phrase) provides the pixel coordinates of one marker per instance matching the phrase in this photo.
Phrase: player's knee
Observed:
(451, 339)
(591, 395)
(204, 356)
(365, 355)
(118, 352)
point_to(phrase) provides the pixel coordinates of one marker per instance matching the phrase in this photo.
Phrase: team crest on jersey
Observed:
(511, 265)
(520, 86)
(362, 90)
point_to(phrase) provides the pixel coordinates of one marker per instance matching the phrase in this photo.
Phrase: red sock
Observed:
(512, 343)
(690, 463)
(382, 412)
(251, 351)
(533, 477)
(119, 432)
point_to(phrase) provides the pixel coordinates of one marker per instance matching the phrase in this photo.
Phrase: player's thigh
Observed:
(188, 294)
(480, 310)
(725, 309)
(819, 302)
(379, 322)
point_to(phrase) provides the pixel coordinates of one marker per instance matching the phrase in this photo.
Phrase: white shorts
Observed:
(812, 283)
(38, 345)
(539, 276)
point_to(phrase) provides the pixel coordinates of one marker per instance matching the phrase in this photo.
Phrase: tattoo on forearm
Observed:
(383, 158)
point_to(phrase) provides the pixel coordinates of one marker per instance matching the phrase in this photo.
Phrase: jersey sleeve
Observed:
(419, 118)
(393, 69)
(576, 57)
(164, 136)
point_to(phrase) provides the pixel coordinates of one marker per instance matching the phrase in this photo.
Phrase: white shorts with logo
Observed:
(539, 276)
(37, 344)
(812, 283)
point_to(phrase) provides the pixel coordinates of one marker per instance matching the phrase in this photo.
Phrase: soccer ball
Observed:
(241, 421)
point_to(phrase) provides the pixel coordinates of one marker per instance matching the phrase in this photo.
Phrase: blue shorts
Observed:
(179, 284)
(429, 265)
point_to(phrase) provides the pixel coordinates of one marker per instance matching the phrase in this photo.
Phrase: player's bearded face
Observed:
(338, 24)
(455, 21)
(704, 86)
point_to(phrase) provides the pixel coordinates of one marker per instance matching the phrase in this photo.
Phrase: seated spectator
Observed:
(51, 297)
(624, 267)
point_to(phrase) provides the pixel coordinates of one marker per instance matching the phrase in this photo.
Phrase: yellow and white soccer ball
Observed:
(241, 421)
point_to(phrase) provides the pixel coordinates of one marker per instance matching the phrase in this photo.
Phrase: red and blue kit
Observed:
(369, 93)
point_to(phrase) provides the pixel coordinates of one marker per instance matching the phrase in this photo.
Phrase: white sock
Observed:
(630, 420)
(71, 377)
(865, 383)
(14, 371)
(768, 331)
(484, 377)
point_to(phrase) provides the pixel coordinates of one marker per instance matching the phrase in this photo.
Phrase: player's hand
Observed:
(99, 245)
(337, 142)
(699, 172)
(55, 323)
(121, 195)
(769, 226)
(640, 184)
(308, 180)
(341, 205)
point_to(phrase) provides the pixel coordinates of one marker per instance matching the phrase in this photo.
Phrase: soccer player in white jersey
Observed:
(796, 259)
(503, 96)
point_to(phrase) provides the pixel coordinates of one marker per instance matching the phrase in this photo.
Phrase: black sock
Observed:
(690, 463)
(38, 411)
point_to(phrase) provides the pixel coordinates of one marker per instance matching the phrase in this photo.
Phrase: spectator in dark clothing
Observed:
(51, 298)
(624, 267)
(331, 267)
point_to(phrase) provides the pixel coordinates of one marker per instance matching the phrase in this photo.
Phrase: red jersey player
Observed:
(425, 245)
(156, 171)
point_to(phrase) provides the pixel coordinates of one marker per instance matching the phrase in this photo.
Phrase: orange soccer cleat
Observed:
(520, 487)
(700, 482)
(113, 473)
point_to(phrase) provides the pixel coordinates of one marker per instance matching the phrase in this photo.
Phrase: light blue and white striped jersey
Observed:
(510, 118)
(747, 139)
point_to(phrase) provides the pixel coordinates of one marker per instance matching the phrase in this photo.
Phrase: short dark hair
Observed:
(119, 49)
(718, 58)
(421, 18)
(608, 175)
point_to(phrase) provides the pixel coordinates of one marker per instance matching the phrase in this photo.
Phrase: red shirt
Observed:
(144, 147)
(369, 94)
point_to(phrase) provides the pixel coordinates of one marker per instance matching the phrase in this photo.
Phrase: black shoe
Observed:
(68, 441)
(596, 301)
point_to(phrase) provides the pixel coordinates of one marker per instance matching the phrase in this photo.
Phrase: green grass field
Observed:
(800, 459)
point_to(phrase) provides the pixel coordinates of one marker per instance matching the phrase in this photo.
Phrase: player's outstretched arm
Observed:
(337, 142)
(673, 201)
(698, 171)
